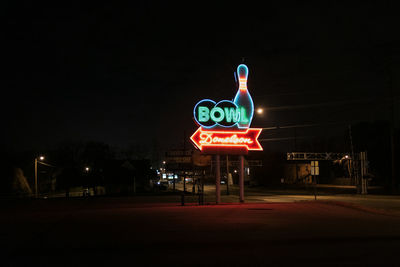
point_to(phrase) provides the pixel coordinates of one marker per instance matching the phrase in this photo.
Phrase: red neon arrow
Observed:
(227, 139)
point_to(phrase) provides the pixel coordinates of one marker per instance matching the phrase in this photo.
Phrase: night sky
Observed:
(132, 74)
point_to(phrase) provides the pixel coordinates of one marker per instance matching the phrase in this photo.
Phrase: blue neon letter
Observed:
(243, 116)
(203, 114)
(217, 110)
(232, 114)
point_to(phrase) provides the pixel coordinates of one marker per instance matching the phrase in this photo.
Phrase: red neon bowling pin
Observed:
(243, 98)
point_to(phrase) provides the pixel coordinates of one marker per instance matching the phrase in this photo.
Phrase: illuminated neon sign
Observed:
(227, 114)
(224, 125)
(206, 139)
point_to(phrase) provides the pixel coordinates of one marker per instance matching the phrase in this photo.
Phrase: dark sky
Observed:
(132, 74)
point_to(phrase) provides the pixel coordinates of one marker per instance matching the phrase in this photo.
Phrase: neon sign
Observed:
(243, 98)
(225, 124)
(247, 140)
(227, 114)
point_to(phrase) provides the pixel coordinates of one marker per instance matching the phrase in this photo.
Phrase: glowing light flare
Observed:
(227, 139)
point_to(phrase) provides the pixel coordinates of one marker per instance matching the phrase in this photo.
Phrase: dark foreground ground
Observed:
(138, 232)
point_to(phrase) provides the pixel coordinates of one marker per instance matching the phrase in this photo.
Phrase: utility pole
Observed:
(36, 181)
(394, 189)
(388, 66)
(352, 156)
(363, 163)
(295, 148)
(392, 132)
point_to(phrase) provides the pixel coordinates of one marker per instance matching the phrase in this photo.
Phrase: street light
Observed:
(41, 158)
(86, 188)
(260, 111)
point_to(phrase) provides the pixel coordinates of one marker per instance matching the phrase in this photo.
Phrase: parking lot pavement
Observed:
(140, 232)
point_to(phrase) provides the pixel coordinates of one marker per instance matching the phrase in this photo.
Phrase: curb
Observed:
(357, 207)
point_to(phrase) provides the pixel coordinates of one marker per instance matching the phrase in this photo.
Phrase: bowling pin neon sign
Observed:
(227, 114)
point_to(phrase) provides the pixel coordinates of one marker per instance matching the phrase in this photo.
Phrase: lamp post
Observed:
(86, 190)
(36, 176)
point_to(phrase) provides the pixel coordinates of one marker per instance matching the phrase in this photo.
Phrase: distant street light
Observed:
(345, 157)
(164, 162)
(87, 169)
(260, 111)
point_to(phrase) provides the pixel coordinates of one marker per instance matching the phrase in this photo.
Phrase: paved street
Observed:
(153, 230)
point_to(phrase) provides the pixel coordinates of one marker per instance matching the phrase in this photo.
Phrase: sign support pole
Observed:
(241, 179)
(227, 175)
(218, 179)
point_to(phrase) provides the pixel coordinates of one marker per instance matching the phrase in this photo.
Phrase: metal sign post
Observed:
(314, 174)
(363, 163)
(227, 175)
(217, 179)
(241, 179)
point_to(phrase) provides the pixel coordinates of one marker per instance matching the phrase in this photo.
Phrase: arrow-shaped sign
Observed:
(242, 140)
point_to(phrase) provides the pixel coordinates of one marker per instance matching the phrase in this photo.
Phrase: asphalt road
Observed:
(149, 231)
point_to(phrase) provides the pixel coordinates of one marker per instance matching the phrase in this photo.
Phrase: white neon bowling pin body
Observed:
(243, 98)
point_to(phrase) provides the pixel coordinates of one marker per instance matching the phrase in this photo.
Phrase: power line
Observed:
(308, 125)
(288, 93)
(325, 104)
(284, 138)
